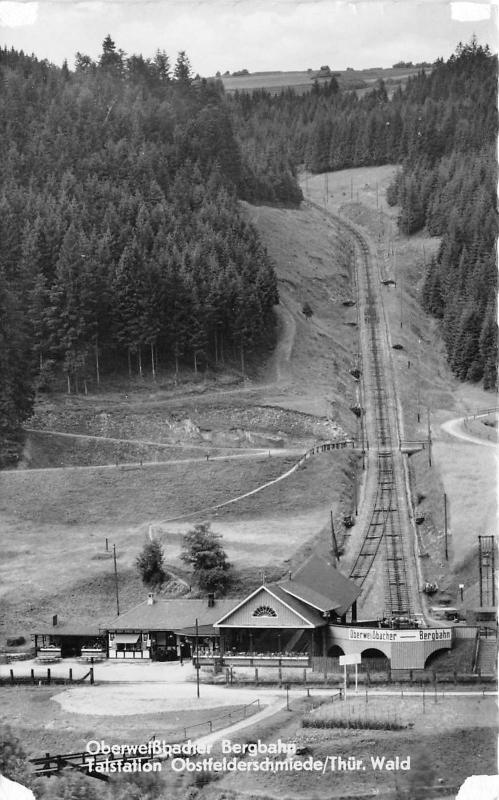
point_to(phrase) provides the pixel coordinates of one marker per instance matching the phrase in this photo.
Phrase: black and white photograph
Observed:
(248, 400)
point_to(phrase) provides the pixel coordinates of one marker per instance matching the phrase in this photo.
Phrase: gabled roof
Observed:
(298, 606)
(318, 583)
(313, 598)
(67, 629)
(170, 614)
(307, 615)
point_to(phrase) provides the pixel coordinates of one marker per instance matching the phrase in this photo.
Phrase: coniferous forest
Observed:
(123, 246)
(441, 129)
(122, 243)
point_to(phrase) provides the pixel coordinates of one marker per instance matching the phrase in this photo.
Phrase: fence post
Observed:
(256, 676)
(280, 677)
(11, 675)
(32, 676)
(48, 676)
(210, 723)
(71, 674)
(410, 676)
(304, 676)
(91, 676)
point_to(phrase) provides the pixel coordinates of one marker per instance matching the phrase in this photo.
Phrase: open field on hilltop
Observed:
(275, 82)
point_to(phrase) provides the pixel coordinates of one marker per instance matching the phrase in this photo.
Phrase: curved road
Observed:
(455, 428)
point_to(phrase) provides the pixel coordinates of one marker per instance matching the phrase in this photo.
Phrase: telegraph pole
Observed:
(355, 487)
(429, 437)
(445, 527)
(333, 537)
(116, 580)
(419, 379)
(197, 657)
(401, 322)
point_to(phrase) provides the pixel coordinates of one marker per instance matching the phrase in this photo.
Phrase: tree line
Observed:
(123, 246)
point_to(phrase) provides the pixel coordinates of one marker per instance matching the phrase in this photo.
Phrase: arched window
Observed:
(264, 611)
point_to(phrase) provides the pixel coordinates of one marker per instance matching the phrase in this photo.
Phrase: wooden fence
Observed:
(44, 678)
(87, 763)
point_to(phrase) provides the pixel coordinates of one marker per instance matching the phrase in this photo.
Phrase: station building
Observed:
(311, 614)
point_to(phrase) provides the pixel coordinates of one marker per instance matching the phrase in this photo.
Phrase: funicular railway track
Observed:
(385, 537)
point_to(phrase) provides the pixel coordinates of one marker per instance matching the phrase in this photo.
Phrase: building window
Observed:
(264, 611)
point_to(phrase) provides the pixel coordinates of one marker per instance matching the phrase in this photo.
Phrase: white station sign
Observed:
(390, 635)
(352, 658)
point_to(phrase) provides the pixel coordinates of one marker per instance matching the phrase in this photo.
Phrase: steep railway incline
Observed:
(385, 545)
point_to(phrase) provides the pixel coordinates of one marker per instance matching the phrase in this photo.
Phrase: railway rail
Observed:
(386, 534)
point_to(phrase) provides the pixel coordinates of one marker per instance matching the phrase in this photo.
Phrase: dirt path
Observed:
(254, 719)
(139, 442)
(241, 454)
(455, 428)
(279, 367)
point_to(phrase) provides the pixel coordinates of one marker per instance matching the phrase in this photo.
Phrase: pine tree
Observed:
(202, 550)
(150, 563)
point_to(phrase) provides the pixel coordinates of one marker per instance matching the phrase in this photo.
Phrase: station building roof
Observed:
(172, 614)
(318, 583)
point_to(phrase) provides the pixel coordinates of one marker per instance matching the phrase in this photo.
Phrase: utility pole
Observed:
(401, 320)
(429, 437)
(362, 421)
(445, 527)
(197, 657)
(116, 580)
(419, 379)
(333, 537)
(355, 487)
